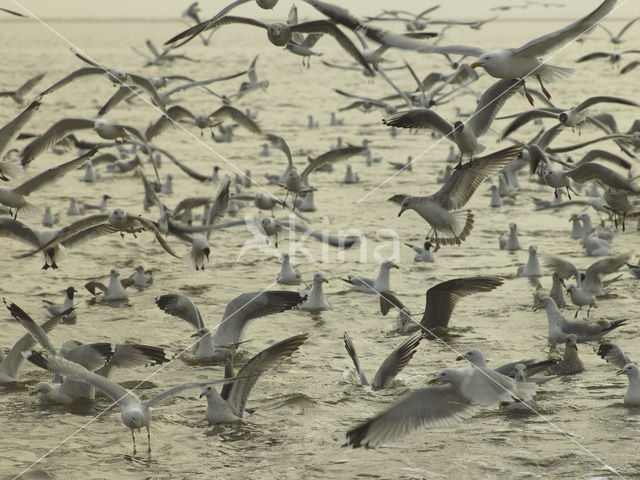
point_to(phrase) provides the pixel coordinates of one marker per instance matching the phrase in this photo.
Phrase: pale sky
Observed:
(450, 9)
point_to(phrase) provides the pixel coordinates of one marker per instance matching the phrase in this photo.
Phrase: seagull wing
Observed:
(174, 114)
(182, 307)
(421, 118)
(212, 24)
(396, 361)
(248, 306)
(81, 72)
(490, 104)
(331, 156)
(32, 327)
(53, 174)
(248, 375)
(351, 350)
(463, 183)
(443, 298)
(436, 406)
(325, 26)
(605, 99)
(613, 354)
(123, 92)
(237, 116)
(526, 117)
(602, 175)
(57, 131)
(59, 365)
(554, 40)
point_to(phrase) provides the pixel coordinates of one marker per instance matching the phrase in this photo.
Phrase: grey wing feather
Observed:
(420, 118)
(174, 114)
(236, 115)
(490, 103)
(331, 156)
(526, 117)
(53, 174)
(351, 350)
(32, 327)
(437, 406)
(248, 375)
(613, 354)
(10, 131)
(213, 24)
(389, 300)
(544, 44)
(442, 298)
(463, 183)
(249, 306)
(57, 131)
(14, 359)
(396, 361)
(182, 307)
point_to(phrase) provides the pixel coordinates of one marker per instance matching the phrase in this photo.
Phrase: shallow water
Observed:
(303, 407)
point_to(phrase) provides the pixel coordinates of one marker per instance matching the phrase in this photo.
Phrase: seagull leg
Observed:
(568, 193)
(526, 92)
(459, 166)
(544, 90)
(134, 442)
(149, 440)
(624, 216)
(577, 311)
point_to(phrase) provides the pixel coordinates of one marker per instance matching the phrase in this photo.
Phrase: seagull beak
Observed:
(396, 266)
(619, 372)
(432, 381)
(324, 280)
(575, 347)
(460, 357)
(476, 65)
(535, 308)
(202, 395)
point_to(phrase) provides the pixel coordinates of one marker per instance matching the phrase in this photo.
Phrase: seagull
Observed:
(441, 299)
(613, 57)
(464, 392)
(135, 414)
(101, 356)
(237, 315)
(532, 267)
(142, 277)
(392, 365)
(592, 281)
(423, 254)
(464, 134)
(632, 397)
(570, 364)
(107, 129)
(50, 309)
(279, 34)
(16, 197)
(228, 405)
(315, 301)
(18, 95)
(288, 275)
(572, 117)
(510, 242)
(617, 39)
(533, 366)
(368, 285)
(452, 227)
(613, 354)
(560, 328)
(116, 75)
(114, 291)
(103, 224)
(504, 63)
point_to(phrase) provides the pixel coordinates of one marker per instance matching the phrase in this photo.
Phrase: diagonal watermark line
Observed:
(544, 418)
(147, 378)
(143, 98)
(447, 136)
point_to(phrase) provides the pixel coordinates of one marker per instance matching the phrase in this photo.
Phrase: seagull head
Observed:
(406, 204)
(627, 369)
(428, 246)
(114, 273)
(563, 117)
(458, 126)
(572, 341)
(206, 391)
(279, 34)
(319, 278)
(474, 356)
(71, 291)
(389, 264)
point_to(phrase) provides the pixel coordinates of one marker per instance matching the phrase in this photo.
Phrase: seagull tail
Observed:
(460, 229)
(549, 73)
